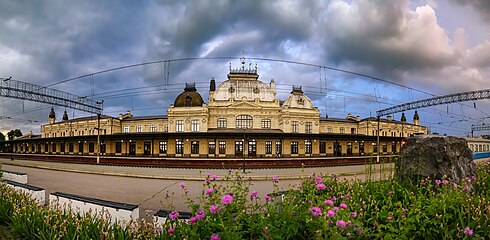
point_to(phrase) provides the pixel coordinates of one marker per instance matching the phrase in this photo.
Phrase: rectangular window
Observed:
(147, 148)
(163, 147)
(70, 147)
(307, 146)
(294, 125)
(349, 149)
(179, 146)
(165, 128)
(308, 127)
(212, 147)
(222, 147)
(46, 147)
(179, 125)
(195, 125)
(385, 148)
(126, 129)
(244, 121)
(342, 130)
(266, 123)
(352, 130)
(54, 147)
(195, 147)
(102, 147)
(375, 148)
(323, 147)
(91, 147)
(294, 147)
(278, 148)
(80, 147)
(118, 147)
(221, 123)
(62, 147)
(138, 128)
(361, 148)
(268, 147)
(329, 129)
(153, 128)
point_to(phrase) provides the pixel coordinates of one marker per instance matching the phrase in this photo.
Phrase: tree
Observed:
(14, 133)
(2, 137)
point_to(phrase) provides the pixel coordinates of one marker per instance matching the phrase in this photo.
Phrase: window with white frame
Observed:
(308, 127)
(266, 123)
(221, 123)
(163, 146)
(138, 128)
(329, 129)
(342, 130)
(153, 128)
(268, 147)
(195, 125)
(294, 126)
(126, 129)
(179, 125)
(244, 121)
(165, 127)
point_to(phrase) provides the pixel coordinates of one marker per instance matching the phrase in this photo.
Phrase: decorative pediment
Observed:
(245, 105)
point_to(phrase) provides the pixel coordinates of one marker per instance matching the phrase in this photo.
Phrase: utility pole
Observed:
(98, 138)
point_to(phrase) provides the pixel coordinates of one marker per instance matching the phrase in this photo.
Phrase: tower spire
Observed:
(243, 59)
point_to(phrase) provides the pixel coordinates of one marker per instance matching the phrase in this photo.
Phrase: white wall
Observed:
(20, 178)
(38, 196)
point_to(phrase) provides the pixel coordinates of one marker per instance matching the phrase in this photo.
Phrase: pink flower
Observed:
(214, 209)
(212, 176)
(200, 214)
(329, 202)
(192, 219)
(330, 213)
(343, 205)
(275, 179)
(209, 191)
(182, 185)
(468, 231)
(422, 181)
(390, 192)
(438, 182)
(170, 230)
(466, 188)
(318, 179)
(455, 185)
(335, 209)
(267, 198)
(173, 215)
(227, 199)
(404, 210)
(266, 229)
(468, 179)
(359, 230)
(316, 211)
(445, 182)
(341, 223)
(403, 216)
(320, 186)
(334, 198)
(353, 214)
(215, 236)
(389, 218)
(254, 194)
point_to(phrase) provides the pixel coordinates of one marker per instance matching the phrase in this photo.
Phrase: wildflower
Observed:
(445, 182)
(390, 192)
(320, 186)
(329, 202)
(227, 199)
(214, 177)
(438, 182)
(455, 185)
(422, 181)
(173, 215)
(389, 218)
(335, 209)
(403, 216)
(215, 236)
(266, 229)
(468, 231)
(316, 211)
(159, 230)
(182, 185)
(267, 197)
(330, 213)
(404, 210)
(466, 188)
(207, 180)
(234, 219)
(200, 214)
(170, 230)
(334, 198)
(254, 194)
(342, 197)
(343, 205)
(209, 191)
(186, 191)
(359, 230)
(353, 214)
(275, 179)
(318, 179)
(468, 179)
(309, 202)
(214, 208)
(192, 219)
(340, 223)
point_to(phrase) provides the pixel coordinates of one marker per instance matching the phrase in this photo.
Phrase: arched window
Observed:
(244, 121)
(188, 101)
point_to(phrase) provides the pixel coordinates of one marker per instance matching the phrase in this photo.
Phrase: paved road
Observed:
(158, 188)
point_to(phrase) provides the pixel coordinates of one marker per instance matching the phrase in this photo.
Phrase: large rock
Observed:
(435, 156)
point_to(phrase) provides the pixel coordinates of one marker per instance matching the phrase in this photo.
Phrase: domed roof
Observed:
(189, 98)
(298, 100)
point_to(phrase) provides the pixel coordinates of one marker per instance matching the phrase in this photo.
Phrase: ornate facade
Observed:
(242, 118)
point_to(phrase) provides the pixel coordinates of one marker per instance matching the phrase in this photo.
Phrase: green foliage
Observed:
(14, 133)
(322, 208)
(2, 137)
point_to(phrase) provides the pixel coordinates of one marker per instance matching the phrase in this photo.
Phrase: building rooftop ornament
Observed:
(65, 116)
(189, 98)
(52, 114)
(403, 118)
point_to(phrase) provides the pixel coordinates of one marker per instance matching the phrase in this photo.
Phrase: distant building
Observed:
(242, 118)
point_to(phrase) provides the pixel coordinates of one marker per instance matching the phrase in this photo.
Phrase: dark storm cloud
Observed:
(482, 6)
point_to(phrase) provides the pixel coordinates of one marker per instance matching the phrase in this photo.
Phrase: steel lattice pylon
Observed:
(27, 91)
(446, 99)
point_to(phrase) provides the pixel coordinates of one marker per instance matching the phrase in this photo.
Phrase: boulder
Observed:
(435, 156)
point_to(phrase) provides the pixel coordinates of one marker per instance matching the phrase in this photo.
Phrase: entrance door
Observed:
(361, 148)
(337, 149)
(349, 149)
(238, 148)
(147, 148)
(132, 148)
(252, 148)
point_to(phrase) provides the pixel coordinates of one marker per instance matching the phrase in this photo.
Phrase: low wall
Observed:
(36, 193)
(120, 212)
(14, 176)
(162, 215)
